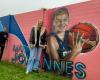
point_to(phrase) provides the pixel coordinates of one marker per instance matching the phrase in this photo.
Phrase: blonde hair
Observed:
(59, 11)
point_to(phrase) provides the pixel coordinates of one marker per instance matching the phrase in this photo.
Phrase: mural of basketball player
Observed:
(58, 45)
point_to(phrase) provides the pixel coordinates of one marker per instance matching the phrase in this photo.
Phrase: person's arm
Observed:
(6, 37)
(43, 38)
(53, 46)
(32, 38)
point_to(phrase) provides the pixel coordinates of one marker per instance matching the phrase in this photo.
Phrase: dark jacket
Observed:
(42, 38)
(3, 37)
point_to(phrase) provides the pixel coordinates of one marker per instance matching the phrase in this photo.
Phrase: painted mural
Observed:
(83, 18)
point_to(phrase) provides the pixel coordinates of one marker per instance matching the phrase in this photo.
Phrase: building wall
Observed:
(83, 12)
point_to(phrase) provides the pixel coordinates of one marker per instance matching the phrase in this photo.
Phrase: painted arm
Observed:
(53, 46)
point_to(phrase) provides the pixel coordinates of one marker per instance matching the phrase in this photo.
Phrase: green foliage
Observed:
(10, 71)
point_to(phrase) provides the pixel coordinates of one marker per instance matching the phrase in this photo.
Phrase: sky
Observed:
(21, 6)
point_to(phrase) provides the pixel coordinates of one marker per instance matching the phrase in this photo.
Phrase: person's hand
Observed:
(78, 43)
(43, 46)
(31, 46)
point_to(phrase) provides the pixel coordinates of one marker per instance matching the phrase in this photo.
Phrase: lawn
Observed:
(10, 71)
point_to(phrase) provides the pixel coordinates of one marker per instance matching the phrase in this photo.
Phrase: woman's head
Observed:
(40, 23)
(60, 20)
(4, 29)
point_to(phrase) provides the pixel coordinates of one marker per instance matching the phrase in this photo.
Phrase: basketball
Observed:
(90, 32)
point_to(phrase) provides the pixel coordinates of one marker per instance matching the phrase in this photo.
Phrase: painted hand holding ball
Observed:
(90, 37)
(83, 37)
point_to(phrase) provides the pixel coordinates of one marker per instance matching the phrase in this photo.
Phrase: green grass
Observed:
(10, 71)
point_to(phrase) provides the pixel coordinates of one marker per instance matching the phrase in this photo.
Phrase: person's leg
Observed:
(37, 59)
(31, 60)
(1, 51)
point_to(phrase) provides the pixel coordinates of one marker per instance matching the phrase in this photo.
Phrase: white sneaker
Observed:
(27, 72)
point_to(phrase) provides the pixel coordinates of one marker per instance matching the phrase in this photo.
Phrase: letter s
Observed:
(81, 74)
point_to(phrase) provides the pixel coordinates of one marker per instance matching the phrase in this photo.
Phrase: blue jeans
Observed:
(33, 62)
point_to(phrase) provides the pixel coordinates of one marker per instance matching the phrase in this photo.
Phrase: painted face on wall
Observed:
(61, 21)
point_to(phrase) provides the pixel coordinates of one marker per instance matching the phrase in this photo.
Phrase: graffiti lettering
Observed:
(19, 54)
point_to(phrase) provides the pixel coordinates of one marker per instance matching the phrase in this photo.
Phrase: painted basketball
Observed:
(90, 32)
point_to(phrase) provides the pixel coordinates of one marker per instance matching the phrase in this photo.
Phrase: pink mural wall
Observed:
(88, 12)
(83, 12)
